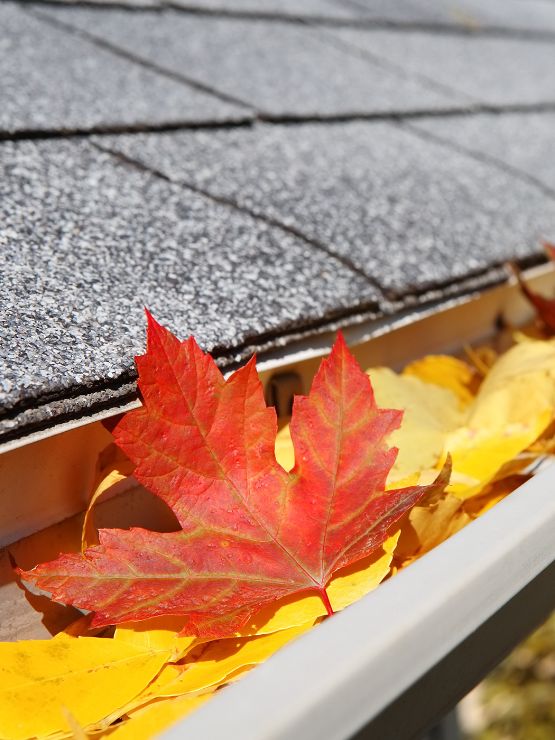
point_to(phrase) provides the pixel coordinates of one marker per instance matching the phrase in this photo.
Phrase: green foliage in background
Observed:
(518, 697)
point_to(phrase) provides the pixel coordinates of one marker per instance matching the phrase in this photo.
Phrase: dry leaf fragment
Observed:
(482, 357)
(214, 665)
(545, 307)
(430, 525)
(493, 494)
(114, 468)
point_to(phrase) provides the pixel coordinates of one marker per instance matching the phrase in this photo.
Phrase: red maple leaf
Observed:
(251, 532)
(545, 307)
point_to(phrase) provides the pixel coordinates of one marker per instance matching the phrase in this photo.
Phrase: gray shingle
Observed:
(405, 12)
(518, 15)
(493, 71)
(282, 69)
(87, 242)
(375, 10)
(409, 212)
(525, 141)
(53, 80)
(132, 4)
(332, 9)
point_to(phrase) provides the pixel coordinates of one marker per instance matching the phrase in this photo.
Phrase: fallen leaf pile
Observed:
(275, 533)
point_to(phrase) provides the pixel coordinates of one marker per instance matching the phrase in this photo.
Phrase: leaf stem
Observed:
(325, 598)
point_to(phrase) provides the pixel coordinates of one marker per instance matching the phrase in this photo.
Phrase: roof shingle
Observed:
(523, 141)
(238, 183)
(408, 212)
(53, 81)
(281, 69)
(493, 71)
(88, 241)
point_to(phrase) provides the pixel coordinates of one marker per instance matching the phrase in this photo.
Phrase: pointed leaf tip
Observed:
(151, 323)
(340, 339)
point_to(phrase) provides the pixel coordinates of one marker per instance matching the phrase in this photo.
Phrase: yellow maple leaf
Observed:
(112, 469)
(149, 720)
(447, 372)
(429, 413)
(158, 633)
(429, 524)
(513, 407)
(285, 454)
(89, 677)
(218, 660)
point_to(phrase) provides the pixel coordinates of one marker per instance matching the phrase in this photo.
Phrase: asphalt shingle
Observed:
(404, 12)
(88, 241)
(492, 71)
(411, 213)
(332, 9)
(375, 10)
(282, 69)
(55, 81)
(525, 141)
(131, 4)
(516, 15)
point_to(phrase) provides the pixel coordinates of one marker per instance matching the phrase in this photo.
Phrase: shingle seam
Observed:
(153, 6)
(379, 24)
(137, 59)
(388, 116)
(480, 156)
(325, 39)
(31, 134)
(331, 39)
(394, 116)
(270, 221)
(471, 104)
(387, 24)
(274, 16)
(282, 120)
(441, 29)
